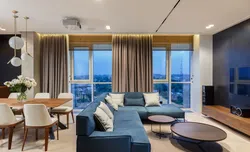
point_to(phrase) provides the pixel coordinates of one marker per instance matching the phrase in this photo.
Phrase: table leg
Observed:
(160, 131)
(51, 134)
(60, 125)
(199, 145)
(192, 142)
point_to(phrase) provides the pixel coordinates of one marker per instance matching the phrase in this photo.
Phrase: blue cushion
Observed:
(110, 107)
(142, 111)
(134, 102)
(168, 110)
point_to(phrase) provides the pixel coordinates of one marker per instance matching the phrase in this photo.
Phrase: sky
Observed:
(103, 62)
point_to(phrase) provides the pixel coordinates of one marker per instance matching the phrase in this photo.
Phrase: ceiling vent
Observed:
(71, 23)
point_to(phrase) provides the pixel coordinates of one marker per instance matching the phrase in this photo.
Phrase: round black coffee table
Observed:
(160, 119)
(198, 132)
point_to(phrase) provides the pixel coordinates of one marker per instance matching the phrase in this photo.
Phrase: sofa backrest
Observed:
(134, 99)
(85, 123)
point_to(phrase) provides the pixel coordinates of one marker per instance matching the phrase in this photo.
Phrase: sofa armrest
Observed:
(110, 143)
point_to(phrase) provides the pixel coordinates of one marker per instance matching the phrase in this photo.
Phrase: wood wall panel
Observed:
(158, 40)
(224, 116)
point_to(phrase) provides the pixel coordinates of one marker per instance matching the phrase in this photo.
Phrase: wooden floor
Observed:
(235, 142)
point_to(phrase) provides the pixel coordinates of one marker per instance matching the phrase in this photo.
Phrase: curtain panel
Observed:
(132, 63)
(54, 71)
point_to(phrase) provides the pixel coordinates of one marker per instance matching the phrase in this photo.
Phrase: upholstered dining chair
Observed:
(8, 120)
(42, 96)
(64, 109)
(13, 95)
(16, 110)
(38, 117)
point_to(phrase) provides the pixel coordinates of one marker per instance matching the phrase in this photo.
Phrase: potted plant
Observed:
(21, 85)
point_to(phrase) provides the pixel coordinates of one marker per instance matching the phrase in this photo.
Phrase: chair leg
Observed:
(25, 137)
(10, 137)
(57, 127)
(68, 121)
(58, 117)
(46, 138)
(36, 134)
(3, 133)
(72, 114)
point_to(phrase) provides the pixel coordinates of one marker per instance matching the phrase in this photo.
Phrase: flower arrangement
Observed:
(21, 85)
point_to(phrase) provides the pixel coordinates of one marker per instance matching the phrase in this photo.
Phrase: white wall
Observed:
(31, 66)
(202, 69)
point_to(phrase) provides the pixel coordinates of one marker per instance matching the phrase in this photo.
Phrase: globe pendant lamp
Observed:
(25, 55)
(16, 43)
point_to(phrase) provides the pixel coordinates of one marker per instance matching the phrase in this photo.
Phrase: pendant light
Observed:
(25, 55)
(16, 43)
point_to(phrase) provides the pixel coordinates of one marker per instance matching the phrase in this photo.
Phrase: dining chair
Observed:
(64, 109)
(13, 95)
(38, 117)
(16, 110)
(8, 120)
(42, 96)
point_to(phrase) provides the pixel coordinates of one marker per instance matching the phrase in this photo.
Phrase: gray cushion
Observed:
(168, 110)
(134, 102)
(142, 111)
(134, 99)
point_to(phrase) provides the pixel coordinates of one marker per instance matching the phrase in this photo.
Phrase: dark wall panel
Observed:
(7, 71)
(231, 49)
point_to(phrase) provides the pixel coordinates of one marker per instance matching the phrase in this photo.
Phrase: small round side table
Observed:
(160, 119)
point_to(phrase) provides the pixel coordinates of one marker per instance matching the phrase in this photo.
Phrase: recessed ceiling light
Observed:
(209, 26)
(2, 29)
(108, 27)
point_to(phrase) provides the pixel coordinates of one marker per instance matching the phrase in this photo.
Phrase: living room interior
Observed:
(125, 76)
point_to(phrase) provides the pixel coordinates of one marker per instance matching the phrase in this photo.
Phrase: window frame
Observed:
(89, 81)
(168, 79)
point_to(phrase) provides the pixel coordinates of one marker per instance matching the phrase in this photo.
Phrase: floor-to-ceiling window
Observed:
(161, 72)
(172, 75)
(91, 73)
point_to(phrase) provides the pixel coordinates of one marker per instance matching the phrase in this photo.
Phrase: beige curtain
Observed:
(132, 63)
(54, 79)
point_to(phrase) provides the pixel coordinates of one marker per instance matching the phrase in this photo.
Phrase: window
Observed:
(160, 73)
(180, 78)
(92, 73)
(171, 73)
(81, 64)
(159, 63)
(180, 66)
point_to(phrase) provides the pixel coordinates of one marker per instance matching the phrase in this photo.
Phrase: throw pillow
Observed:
(118, 99)
(110, 101)
(152, 99)
(105, 108)
(104, 123)
(134, 102)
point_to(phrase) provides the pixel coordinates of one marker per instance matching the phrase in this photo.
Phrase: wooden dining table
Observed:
(49, 103)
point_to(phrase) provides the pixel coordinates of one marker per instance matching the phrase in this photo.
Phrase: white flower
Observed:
(7, 83)
(16, 81)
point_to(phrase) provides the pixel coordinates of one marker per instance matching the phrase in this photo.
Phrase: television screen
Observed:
(244, 73)
(231, 88)
(243, 89)
(232, 75)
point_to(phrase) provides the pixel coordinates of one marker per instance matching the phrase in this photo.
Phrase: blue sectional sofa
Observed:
(129, 134)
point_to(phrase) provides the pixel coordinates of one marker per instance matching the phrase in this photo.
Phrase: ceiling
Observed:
(125, 16)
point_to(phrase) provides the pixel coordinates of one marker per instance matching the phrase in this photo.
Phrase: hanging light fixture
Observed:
(25, 55)
(16, 43)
